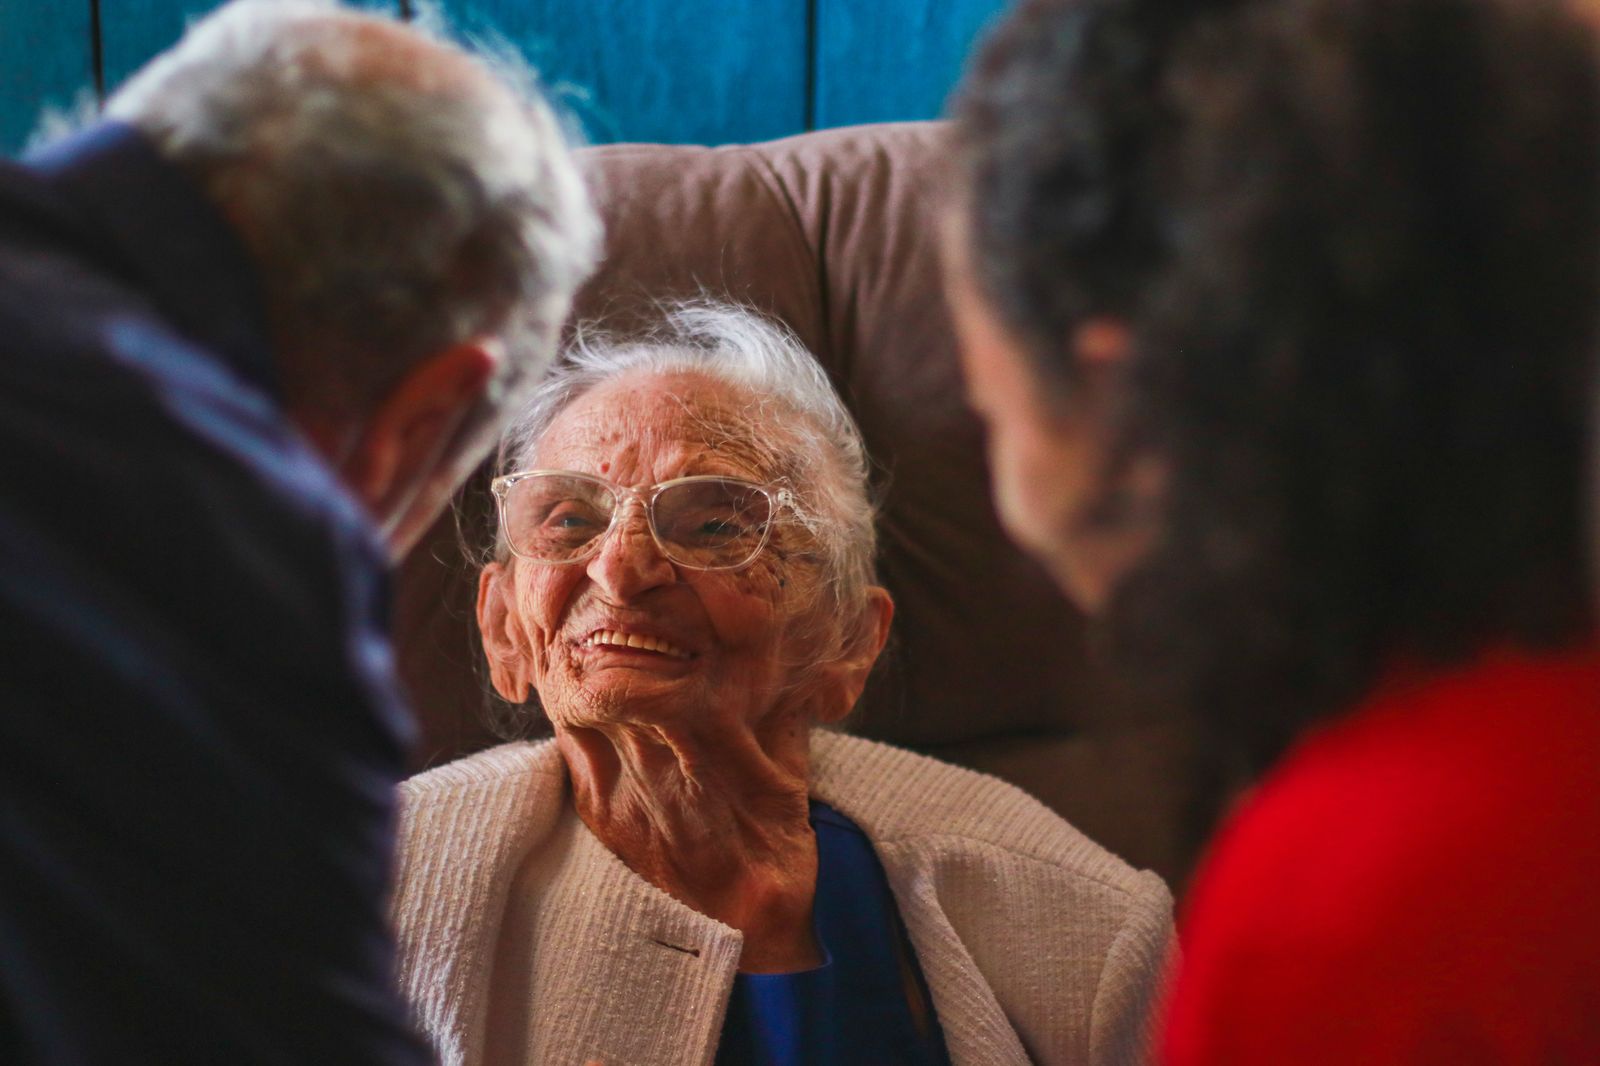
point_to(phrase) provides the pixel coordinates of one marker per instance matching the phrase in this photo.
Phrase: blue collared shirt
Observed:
(200, 723)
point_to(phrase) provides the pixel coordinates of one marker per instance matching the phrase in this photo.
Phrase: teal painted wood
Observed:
(133, 31)
(891, 60)
(683, 71)
(708, 71)
(46, 60)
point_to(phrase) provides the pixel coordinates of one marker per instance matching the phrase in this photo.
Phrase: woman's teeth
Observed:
(634, 640)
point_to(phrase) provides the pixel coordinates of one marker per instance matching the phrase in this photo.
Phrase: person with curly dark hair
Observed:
(1281, 316)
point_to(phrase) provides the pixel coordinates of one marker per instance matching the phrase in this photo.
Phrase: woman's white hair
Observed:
(794, 418)
(398, 193)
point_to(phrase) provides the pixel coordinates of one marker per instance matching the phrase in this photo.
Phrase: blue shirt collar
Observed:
(167, 237)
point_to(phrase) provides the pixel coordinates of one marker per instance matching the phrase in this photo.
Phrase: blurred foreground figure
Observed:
(256, 327)
(1281, 315)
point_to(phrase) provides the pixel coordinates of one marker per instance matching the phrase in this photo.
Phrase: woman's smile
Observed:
(612, 640)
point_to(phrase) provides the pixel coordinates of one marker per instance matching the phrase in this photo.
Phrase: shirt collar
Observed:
(170, 240)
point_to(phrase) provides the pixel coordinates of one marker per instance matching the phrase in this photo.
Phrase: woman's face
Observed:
(722, 646)
(1045, 457)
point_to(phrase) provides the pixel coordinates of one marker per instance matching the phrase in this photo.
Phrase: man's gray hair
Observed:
(793, 418)
(398, 194)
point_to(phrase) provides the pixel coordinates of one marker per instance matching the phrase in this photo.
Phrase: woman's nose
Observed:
(629, 562)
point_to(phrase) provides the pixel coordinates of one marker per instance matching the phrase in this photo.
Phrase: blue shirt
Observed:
(200, 724)
(855, 1009)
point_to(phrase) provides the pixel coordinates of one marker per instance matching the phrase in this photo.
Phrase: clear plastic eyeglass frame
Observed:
(776, 494)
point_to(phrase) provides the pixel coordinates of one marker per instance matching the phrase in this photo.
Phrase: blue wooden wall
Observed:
(685, 71)
(46, 55)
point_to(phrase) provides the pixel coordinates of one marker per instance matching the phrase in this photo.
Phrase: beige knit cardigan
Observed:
(1037, 944)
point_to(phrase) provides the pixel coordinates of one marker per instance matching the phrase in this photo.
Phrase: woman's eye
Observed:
(717, 528)
(568, 516)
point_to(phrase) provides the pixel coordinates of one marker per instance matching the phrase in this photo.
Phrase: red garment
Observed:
(1417, 882)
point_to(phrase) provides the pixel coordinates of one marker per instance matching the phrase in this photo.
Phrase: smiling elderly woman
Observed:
(691, 871)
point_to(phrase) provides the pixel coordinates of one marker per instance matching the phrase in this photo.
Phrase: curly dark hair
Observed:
(1358, 246)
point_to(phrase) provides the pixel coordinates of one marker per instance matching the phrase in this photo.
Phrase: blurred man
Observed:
(256, 328)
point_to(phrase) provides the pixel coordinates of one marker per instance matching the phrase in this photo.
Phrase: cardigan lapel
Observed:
(622, 972)
(976, 1029)
(464, 830)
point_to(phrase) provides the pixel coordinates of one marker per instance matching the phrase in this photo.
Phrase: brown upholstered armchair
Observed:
(833, 233)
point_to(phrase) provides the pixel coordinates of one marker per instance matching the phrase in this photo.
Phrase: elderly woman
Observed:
(691, 870)
(1282, 315)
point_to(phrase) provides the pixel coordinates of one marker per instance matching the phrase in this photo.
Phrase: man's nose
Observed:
(629, 562)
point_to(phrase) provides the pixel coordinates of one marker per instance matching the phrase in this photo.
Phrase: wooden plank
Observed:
(680, 71)
(46, 60)
(892, 61)
(134, 31)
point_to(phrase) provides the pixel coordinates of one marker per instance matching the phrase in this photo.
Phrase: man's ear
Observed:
(503, 644)
(860, 653)
(408, 434)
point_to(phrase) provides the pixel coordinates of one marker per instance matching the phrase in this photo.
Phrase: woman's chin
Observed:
(608, 703)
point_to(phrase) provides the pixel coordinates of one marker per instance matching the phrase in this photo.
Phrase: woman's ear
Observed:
(1100, 347)
(504, 644)
(859, 655)
(1101, 341)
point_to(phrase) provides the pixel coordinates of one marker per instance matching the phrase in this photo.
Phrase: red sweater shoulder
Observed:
(1412, 883)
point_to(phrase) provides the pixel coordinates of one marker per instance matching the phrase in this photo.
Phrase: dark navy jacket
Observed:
(200, 724)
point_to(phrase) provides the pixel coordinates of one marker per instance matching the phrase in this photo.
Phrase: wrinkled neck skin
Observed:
(717, 818)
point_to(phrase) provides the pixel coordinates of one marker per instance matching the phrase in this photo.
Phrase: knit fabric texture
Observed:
(523, 940)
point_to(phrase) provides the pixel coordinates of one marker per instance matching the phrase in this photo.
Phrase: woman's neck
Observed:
(720, 822)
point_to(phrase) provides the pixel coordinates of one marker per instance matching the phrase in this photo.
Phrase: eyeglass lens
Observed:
(709, 524)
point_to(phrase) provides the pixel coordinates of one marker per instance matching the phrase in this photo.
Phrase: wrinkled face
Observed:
(627, 637)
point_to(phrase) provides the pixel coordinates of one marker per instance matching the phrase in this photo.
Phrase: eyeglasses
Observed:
(704, 523)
